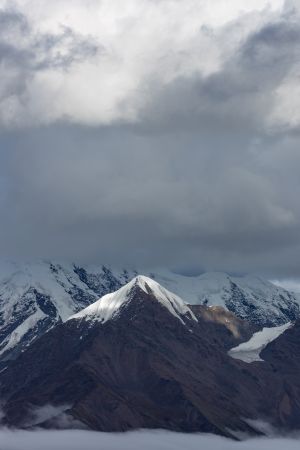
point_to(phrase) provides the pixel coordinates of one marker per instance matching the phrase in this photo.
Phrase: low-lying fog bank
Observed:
(146, 440)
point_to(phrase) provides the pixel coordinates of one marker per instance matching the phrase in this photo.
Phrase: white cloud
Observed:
(147, 440)
(141, 41)
(289, 285)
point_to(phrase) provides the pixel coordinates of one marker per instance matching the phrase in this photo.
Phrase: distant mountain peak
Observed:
(109, 306)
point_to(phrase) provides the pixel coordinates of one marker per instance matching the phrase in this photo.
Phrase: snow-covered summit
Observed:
(110, 305)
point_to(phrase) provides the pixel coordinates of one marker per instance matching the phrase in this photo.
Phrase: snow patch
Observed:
(249, 351)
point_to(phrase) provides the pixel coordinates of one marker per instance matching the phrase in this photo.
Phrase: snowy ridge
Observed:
(108, 307)
(249, 351)
(34, 297)
(248, 297)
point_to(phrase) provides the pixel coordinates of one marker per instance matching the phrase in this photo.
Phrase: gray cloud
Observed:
(126, 198)
(23, 47)
(237, 99)
(26, 52)
(202, 176)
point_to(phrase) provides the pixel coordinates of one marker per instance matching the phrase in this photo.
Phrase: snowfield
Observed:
(250, 351)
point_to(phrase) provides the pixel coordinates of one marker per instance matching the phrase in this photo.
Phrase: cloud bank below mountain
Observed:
(148, 440)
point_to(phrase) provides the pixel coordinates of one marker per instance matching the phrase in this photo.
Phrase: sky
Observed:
(152, 133)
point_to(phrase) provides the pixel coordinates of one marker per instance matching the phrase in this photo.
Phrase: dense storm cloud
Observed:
(151, 133)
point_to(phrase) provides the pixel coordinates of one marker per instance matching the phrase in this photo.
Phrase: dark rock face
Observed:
(284, 351)
(283, 355)
(146, 369)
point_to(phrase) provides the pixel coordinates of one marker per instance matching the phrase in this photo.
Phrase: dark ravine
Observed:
(144, 368)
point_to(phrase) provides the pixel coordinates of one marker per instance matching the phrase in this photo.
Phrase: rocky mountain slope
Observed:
(142, 358)
(35, 297)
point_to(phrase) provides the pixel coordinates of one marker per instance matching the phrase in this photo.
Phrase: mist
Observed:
(147, 440)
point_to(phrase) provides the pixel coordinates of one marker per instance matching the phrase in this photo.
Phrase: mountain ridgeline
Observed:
(36, 297)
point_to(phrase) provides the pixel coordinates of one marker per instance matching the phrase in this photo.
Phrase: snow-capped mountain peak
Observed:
(36, 296)
(110, 305)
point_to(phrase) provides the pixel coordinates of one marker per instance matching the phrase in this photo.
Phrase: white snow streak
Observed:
(250, 351)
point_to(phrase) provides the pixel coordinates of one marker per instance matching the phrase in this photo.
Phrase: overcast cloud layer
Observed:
(151, 132)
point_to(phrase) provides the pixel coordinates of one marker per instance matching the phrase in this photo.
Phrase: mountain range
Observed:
(141, 357)
(35, 297)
